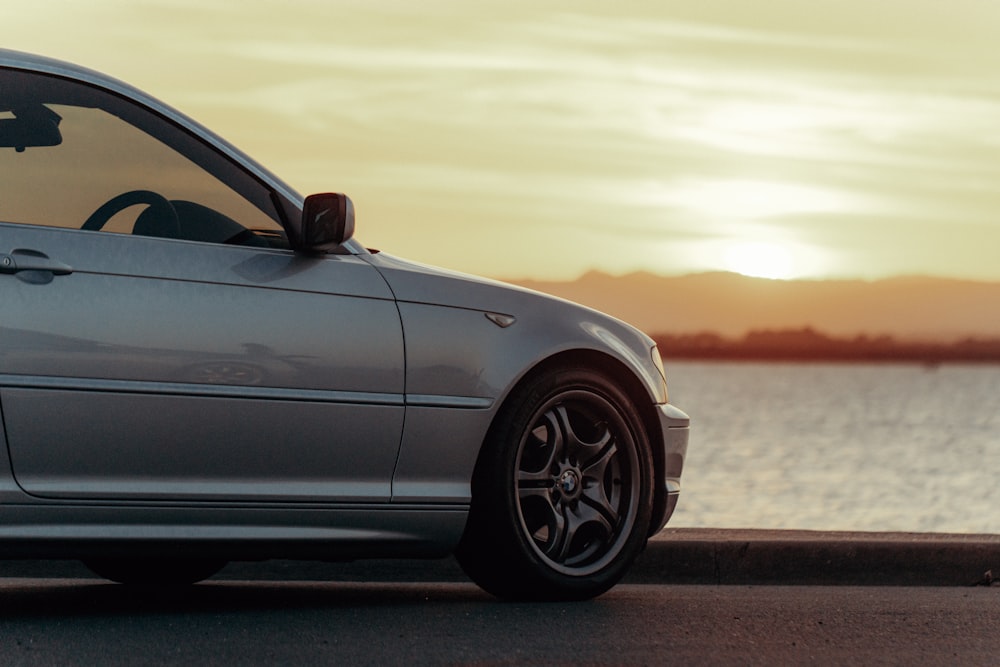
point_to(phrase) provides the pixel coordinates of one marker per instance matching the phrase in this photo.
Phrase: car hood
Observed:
(421, 283)
(553, 324)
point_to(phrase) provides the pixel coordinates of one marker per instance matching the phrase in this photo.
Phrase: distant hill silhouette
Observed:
(731, 305)
(811, 345)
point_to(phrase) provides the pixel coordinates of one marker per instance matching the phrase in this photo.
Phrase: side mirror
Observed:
(327, 221)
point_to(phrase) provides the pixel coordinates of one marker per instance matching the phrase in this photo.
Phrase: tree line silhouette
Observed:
(807, 344)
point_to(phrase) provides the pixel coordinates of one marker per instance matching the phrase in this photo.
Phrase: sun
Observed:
(760, 260)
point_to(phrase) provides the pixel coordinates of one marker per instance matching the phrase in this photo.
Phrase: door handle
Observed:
(23, 259)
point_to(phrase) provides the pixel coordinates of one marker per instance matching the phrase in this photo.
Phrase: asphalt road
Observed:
(87, 622)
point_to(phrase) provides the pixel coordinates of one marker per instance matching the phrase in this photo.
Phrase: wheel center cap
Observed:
(569, 481)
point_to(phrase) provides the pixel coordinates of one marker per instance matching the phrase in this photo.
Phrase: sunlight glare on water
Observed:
(840, 446)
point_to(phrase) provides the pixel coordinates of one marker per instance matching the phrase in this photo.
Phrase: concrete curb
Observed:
(708, 556)
(683, 556)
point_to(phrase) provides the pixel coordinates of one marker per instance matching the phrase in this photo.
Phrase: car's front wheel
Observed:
(562, 492)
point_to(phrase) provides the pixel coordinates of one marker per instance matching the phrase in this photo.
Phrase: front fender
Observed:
(460, 367)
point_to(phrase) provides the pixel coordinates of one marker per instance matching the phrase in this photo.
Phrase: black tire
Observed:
(154, 571)
(562, 492)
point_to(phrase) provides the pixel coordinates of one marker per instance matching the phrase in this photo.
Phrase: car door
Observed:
(189, 355)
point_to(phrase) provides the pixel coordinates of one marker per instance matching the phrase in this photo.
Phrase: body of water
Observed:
(869, 447)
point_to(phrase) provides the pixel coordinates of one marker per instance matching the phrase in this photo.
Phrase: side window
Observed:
(75, 157)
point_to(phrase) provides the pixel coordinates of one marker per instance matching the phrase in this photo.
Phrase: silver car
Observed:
(198, 365)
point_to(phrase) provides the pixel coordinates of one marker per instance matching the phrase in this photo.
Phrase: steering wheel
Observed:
(108, 209)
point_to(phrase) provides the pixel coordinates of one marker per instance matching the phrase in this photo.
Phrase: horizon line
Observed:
(733, 274)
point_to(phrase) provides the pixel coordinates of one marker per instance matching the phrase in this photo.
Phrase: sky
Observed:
(530, 139)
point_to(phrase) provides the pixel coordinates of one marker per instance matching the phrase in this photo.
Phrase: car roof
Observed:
(37, 63)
